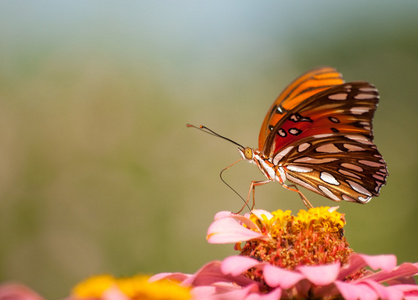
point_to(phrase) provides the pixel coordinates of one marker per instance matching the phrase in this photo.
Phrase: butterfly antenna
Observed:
(211, 132)
(220, 175)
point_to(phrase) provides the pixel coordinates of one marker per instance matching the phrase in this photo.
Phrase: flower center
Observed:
(313, 237)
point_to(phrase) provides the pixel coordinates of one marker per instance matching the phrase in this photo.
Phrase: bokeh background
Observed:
(98, 172)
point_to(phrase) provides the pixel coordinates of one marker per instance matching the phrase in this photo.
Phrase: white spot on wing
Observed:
(348, 198)
(299, 169)
(366, 125)
(352, 167)
(364, 200)
(281, 132)
(328, 178)
(370, 163)
(341, 96)
(358, 188)
(328, 148)
(351, 147)
(359, 138)
(364, 96)
(367, 89)
(346, 173)
(310, 160)
(321, 136)
(378, 186)
(328, 193)
(303, 147)
(300, 182)
(359, 110)
(294, 131)
(379, 177)
(278, 157)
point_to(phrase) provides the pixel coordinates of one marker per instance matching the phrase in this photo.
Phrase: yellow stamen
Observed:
(311, 237)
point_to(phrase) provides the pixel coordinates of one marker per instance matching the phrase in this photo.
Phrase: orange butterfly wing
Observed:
(310, 83)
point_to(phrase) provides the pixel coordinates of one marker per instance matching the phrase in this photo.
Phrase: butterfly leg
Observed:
(252, 188)
(294, 188)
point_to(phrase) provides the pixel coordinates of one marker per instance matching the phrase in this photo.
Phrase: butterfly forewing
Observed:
(309, 84)
(346, 108)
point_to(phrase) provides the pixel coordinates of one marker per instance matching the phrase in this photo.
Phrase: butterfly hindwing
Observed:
(338, 166)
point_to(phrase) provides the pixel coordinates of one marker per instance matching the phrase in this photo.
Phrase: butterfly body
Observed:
(271, 171)
(318, 135)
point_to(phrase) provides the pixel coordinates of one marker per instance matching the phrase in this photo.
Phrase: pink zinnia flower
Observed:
(294, 257)
(281, 257)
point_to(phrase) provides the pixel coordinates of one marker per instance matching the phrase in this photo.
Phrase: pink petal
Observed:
(260, 212)
(14, 291)
(203, 292)
(235, 265)
(384, 262)
(228, 230)
(206, 275)
(211, 273)
(169, 276)
(359, 261)
(401, 274)
(351, 291)
(385, 292)
(273, 295)
(222, 214)
(275, 276)
(242, 293)
(232, 291)
(333, 208)
(209, 291)
(322, 274)
(410, 291)
(241, 219)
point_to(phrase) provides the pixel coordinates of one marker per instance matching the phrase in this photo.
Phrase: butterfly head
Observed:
(247, 153)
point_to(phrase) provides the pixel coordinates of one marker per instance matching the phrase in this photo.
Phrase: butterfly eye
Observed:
(248, 153)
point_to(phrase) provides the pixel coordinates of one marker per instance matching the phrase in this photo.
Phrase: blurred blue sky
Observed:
(192, 31)
(185, 41)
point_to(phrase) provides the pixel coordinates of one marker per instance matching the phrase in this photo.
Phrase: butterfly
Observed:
(318, 134)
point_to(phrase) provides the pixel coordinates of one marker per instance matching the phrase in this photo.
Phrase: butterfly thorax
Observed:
(271, 171)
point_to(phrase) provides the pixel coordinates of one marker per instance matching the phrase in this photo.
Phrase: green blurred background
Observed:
(99, 173)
